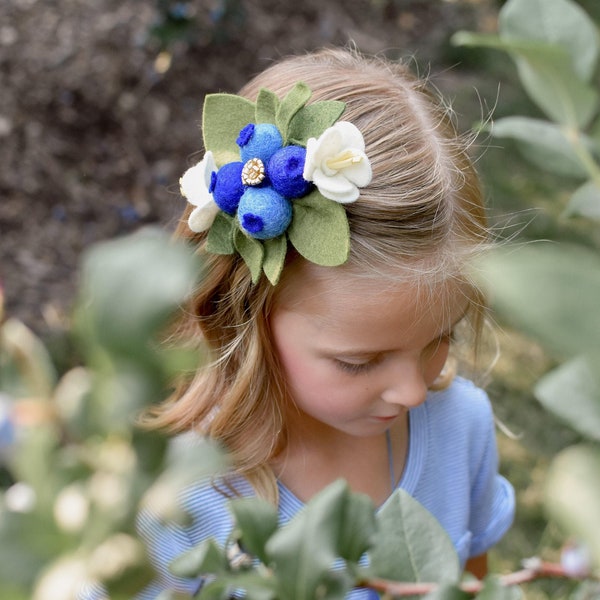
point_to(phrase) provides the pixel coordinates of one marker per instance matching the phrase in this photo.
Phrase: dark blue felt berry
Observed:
(260, 141)
(245, 135)
(263, 213)
(227, 186)
(285, 172)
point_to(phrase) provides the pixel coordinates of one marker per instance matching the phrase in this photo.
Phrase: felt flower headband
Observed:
(276, 171)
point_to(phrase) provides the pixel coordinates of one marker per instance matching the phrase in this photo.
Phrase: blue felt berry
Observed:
(263, 213)
(259, 141)
(285, 172)
(226, 186)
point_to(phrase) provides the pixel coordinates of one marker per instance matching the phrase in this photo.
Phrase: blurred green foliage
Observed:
(551, 290)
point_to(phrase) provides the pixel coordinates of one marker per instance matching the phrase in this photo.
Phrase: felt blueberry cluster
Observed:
(276, 171)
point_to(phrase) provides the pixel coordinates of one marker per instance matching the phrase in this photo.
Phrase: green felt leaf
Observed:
(313, 120)
(252, 251)
(220, 235)
(319, 230)
(267, 104)
(223, 117)
(294, 100)
(275, 251)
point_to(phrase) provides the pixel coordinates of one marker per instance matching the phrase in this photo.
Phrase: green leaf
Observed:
(359, 528)
(267, 104)
(205, 559)
(313, 120)
(130, 286)
(220, 235)
(294, 100)
(252, 251)
(319, 230)
(275, 251)
(561, 22)
(585, 201)
(223, 117)
(547, 76)
(578, 381)
(302, 553)
(544, 144)
(550, 291)
(257, 521)
(411, 544)
(573, 494)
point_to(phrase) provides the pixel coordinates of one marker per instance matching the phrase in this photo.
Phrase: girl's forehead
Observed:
(337, 294)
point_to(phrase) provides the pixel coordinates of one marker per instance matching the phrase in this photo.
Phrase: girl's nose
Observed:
(406, 385)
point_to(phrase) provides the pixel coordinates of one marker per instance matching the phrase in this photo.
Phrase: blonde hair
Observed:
(423, 211)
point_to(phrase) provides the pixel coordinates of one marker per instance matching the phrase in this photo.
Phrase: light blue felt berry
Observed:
(259, 141)
(226, 186)
(263, 213)
(285, 172)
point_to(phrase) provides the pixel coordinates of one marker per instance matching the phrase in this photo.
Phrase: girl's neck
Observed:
(316, 458)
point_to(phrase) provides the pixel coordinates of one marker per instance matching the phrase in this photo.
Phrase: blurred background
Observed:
(99, 108)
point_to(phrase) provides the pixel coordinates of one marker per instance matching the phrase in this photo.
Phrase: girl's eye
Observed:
(354, 368)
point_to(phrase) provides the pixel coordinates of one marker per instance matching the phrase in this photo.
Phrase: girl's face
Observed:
(357, 353)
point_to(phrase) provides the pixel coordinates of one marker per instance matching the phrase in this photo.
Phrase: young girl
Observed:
(334, 282)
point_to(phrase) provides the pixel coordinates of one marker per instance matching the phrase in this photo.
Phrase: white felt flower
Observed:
(195, 185)
(337, 164)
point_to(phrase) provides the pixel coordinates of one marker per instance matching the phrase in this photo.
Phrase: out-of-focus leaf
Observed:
(257, 521)
(561, 22)
(550, 291)
(547, 76)
(130, 286)
(304, 551)
(572, 391)
(585, 201)
(544, 144)
(411, 545)
(206, 558)
(24, 354)
(573, 494)
(359, 529)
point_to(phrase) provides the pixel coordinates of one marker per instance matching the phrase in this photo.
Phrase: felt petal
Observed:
(350, 135)
(336, 187)
(359, 173)
(195, 182)
(202, 217)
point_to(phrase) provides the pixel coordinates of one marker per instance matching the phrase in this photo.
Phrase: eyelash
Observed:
(354, 368)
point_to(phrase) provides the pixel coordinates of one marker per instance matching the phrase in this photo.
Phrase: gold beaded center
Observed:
(253, 172)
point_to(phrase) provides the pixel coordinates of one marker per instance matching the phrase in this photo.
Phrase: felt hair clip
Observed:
(276, 171)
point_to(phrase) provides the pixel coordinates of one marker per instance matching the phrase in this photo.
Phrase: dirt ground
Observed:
(96, 125)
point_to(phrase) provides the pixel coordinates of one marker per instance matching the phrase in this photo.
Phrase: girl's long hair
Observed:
(422, 216)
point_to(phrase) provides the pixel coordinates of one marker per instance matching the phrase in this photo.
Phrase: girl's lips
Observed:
(386, 419)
